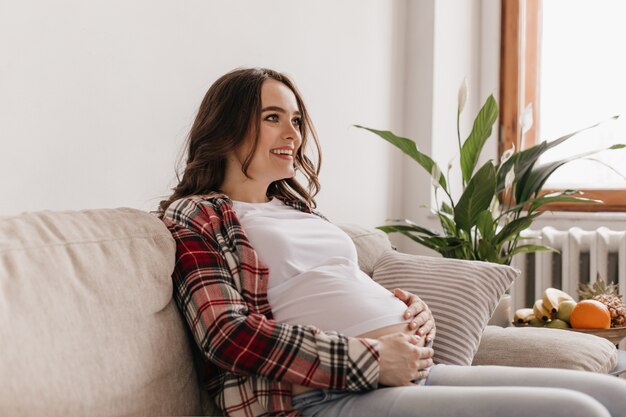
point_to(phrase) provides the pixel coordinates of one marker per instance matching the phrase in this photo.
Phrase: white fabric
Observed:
(314, 276)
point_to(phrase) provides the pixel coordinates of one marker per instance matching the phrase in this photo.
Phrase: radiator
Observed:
(583, 255)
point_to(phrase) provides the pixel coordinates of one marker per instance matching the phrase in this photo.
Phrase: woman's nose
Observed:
(292, 132)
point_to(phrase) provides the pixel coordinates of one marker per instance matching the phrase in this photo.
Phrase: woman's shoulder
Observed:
(188, 209)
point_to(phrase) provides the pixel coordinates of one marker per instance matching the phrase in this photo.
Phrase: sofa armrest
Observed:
(545, 348)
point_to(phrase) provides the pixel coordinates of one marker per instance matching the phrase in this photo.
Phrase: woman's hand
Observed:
(423, 319)
(402, 359)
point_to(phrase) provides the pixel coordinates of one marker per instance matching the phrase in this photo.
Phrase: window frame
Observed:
(519, 85)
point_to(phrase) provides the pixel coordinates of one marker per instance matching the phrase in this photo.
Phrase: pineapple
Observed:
(607, 294)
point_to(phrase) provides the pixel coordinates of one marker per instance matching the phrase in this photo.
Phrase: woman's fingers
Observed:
(424, 363)
(416, 305)
(422, 374)
(431, 334)
(421, 319)
(423, 324)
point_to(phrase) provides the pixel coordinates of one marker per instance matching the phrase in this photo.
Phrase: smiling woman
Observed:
(233, 115)
(268, 152)
(286, 321)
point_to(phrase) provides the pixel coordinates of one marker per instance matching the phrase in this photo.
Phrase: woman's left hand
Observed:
(423, 320)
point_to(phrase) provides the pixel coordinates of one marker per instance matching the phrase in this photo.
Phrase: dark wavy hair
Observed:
(229, 112)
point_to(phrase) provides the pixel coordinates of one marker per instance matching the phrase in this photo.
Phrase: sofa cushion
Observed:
(88, 322)
(545, 348)
(462, 296)
(370, 244)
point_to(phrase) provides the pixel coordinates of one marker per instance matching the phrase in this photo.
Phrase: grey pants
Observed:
(480, 391)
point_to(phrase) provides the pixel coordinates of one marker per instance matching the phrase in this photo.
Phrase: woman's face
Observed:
(279, 135)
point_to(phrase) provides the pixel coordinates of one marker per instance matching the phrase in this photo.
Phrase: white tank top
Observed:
(314, 276)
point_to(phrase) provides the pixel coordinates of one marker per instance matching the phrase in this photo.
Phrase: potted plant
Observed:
(499, 200)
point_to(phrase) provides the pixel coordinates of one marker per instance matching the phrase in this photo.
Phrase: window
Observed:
(571, 74)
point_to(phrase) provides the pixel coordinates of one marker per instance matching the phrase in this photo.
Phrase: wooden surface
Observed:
(614, 335)
(520, 65)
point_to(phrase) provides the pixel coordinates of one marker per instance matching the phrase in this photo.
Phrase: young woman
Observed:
(286, 322)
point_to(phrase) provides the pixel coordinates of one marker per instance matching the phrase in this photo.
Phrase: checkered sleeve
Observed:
(219, 310)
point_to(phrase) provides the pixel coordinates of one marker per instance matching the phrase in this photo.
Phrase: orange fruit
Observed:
(590, 314)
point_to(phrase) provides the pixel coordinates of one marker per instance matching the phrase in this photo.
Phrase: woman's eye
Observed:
(297, 121)
(272, 118)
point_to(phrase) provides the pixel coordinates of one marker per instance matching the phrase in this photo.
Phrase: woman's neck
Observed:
(246, 192)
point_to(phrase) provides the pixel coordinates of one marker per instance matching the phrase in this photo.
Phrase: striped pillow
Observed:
(462, 295)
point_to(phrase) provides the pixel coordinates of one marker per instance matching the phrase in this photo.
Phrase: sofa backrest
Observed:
(89, 326)
(370, 244)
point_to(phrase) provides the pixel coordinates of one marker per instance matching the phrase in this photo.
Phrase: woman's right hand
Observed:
(403, 359)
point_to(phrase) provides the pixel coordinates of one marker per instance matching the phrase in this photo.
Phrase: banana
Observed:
(552, 297)
(540, 311)
(523, 315)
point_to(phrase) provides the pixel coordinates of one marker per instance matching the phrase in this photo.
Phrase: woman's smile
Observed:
(283, 153)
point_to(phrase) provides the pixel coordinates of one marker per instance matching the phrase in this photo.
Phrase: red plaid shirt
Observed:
(250, 360)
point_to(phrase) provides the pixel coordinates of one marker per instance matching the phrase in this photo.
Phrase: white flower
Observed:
(510, 177)
(450, 164)
(507, 155)
(436, 175)
(494, 207)
(526, 120)
(463, 92)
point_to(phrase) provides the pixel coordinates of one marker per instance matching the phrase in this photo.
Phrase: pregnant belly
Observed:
(373, 334)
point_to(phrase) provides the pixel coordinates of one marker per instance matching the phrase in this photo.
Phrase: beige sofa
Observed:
(89, 326)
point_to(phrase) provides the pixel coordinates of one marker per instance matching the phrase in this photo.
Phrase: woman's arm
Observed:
(246, 342)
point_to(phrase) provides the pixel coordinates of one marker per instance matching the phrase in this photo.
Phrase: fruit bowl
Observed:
(614, 334)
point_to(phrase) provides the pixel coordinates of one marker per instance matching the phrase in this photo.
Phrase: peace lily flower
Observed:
(526, 120)
(450, 165)
(498, 200)
(435, 174)
(510, 177)
(462, 96)
(494, 207)
(507, 154)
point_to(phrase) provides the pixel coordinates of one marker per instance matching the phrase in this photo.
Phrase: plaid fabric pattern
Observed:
(250, 361)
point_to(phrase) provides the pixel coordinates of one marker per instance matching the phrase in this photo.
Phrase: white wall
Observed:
(447, 41)
(96, 97)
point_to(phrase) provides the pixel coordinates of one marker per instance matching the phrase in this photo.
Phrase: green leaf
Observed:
(616, 172)
(476, 197)
(511, 230)
(474, 143)
(526, 159)
(531, 248)
(523, 162)
(486, 225)
(562, 139)
(410, 148)
(534, 180)
(488, 252)
(406, 228)
(447, 223)
(446, 208)
(415, 238)
(541, 201)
